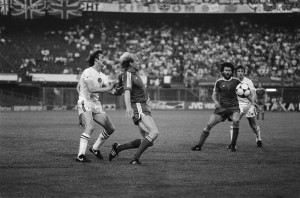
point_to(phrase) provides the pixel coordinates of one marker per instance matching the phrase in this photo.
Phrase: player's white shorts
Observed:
(84, 105)
(251, 112)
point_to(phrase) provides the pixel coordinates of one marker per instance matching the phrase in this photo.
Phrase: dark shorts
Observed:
(226, 113)
(140, 109)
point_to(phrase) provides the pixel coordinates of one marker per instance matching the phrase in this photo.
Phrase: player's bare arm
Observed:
(129, 110)
(214, 98)
(93, 89)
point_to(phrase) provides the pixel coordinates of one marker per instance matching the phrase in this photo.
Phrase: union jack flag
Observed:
(4, 6)
(28, 9)
(65, 9)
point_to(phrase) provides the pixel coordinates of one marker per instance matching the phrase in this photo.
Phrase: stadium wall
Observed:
(65, 98)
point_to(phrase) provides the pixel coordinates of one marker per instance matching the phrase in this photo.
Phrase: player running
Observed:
(251, 113)
(90, 109)
(137, 108)
(227, 106)
(261, 95)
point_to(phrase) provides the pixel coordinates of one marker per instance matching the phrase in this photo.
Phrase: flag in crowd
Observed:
(4, 6)
(65, 9)
(32, 9)
(28, 9)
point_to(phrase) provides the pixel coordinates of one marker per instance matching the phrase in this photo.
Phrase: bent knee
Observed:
(89, 127)
(153, 134)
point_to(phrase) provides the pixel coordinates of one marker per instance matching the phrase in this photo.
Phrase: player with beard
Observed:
(226, 105)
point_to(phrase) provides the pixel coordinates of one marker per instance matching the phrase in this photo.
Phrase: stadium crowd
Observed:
(189, 49)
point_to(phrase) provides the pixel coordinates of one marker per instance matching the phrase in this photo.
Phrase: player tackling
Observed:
(137, 108)
(89, 107)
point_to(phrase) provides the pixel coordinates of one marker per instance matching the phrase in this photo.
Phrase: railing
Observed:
(10, 98)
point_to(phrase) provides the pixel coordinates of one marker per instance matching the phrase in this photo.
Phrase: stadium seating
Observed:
(188, 48)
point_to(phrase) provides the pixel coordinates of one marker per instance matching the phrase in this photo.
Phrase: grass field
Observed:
(38, 151)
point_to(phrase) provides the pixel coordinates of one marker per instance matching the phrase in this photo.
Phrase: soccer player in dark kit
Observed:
(137, 108)
(226, 106)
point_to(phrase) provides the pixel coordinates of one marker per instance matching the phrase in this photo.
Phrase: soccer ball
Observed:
(243, 90)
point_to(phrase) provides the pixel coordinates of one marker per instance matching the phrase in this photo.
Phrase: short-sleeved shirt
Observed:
(251, 86)
(98, 79)
(133, 82)
(227, 94)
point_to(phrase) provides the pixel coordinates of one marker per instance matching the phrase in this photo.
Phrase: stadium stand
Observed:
(189, 48)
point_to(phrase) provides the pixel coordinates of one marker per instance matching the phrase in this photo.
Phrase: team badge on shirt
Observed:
(99, 80)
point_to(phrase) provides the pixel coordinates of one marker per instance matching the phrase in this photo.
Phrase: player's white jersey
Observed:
(251, 86)
(98, 79)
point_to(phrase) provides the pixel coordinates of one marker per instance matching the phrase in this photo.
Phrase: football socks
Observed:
(203, 137)
(143, 146)
(235, 135)
(130, 145)
(84, 139)
(103, 136)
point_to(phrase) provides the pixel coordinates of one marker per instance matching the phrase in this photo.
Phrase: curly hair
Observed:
(227, 64)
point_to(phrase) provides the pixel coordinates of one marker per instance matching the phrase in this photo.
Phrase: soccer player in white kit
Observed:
(90, 108)
(251, 113)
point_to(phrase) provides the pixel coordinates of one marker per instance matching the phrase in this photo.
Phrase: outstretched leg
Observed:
(213, 120)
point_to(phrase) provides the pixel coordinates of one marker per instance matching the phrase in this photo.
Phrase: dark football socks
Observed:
(235, 135)
(130, 145)
(203, 137)
(144, 145)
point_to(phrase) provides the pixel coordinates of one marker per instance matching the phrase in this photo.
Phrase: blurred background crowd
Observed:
(189, 48)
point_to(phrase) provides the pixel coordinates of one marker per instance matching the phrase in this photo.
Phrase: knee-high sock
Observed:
(146, 142)
(235, 134)
(257, 133)
(130, 145)
(203, 137)
(84, 139)
(100, 140)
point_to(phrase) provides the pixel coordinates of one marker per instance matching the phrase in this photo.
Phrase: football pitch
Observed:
(38, 151)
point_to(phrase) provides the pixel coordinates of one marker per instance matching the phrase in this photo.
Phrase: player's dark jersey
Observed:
(133, 82)
(227, 94)
(260, 93)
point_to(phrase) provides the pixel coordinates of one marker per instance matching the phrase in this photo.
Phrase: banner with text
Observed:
(187, 9)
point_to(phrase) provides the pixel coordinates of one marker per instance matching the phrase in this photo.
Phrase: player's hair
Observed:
(240, 67)
(93, 56)
(227, 64)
